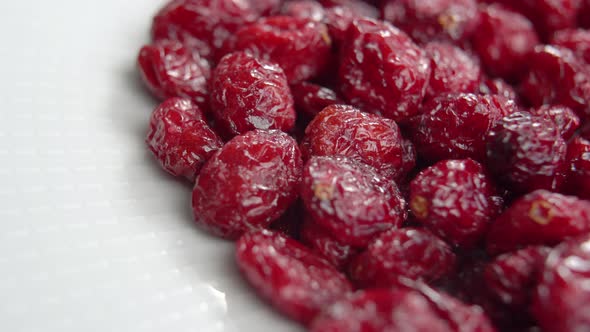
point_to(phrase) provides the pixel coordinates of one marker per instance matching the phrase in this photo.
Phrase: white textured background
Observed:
(93, 236)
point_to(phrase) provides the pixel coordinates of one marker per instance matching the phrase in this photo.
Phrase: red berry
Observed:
(300, 46)
(322, 243)
(248, 93)
(307, 9)
(564, 118)
(452, 70)
(266, 7)
(503, 40)
(169, 69)
(311, 98)
(338, 20)
(539, 218)
(408, 160)
(180, 138)
(344, 130)
(382, 71)
(361, 8)
(577, 40)
(454, 126)
(556, 76)
(456, 200)
(451, 20)
(512, 277)
(350, 199)
(247, 184)
(578, 161)
(526, 152)
(204, 25)
(497, 86)
(289, 275)
(398, 254)
(584, 13)
(562, 297)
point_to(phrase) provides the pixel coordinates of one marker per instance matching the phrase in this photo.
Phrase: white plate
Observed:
(93, 236)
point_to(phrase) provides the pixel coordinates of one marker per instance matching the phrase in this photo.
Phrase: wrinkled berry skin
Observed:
(456, 199)
(382, 71)
(310, 98)
(350, 199)
(577, 40)
(296, 281)
(454, 126)
(578, 161)
(503, 40)
(557, 76)
(539, 218)
(307, 9)
(300, 46)
(411, 253)
(368, 138)
(512, 277)
(362, 8)
(169, 69)
(452, 70)
(248, 93)
(497, 86)
(203, 25)
(526, 152)
(426, 20)
(247, 184)
(564, 118)
(322, 243)
(266, 7)
(338, 20)
(180, 138)
(562, 296)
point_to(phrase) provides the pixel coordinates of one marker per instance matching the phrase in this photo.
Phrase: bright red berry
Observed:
(324, 244)
(312, 98)
(564, 118)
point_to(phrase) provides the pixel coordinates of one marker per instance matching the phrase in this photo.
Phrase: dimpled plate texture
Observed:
(93, 235)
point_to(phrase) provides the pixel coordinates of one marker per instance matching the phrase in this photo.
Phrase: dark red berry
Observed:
(562, 297)
(362, 8)
(289, 275)
(307, 9)
(247, 184)
(203, 25)
(350, 199)
(180, 138)
(290, 223)
(382, 71)
(425, 20)
(266, 7)
(249, 93)
(512, 277)
(311, 98)
(584, 13)
(565, 119)
(503, 40)
(452, 70)
(397, 254)
(557, 76)
(497, 86)
(578, 161)
(539, 218)
(526, 152)
(454, 126)
(408, 161)
(338, 19)
(169, 69)
(324, 244)
(368, 138)
(577, 40)
(456, 200)
(300, 46)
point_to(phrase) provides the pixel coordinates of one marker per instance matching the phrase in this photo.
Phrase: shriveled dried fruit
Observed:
(362, 8)
(578, 174)
(350, 199)
(562, 296)
(310, 98)
(298, 282)
(497, 86)
(266, 7)
(564, 118)
(248, 93)
(539, 218)
(247, 184)
(399, 254)
(324, 244)
(338, 19)
(526, 152)
(382, 71)
(577, 40)
(307, 9)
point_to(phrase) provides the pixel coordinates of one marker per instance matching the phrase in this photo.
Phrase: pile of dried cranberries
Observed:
(395, 165)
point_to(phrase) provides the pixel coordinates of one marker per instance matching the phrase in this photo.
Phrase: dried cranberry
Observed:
(322, 243)
(338, 19)
(169, 69)
(410, 253)
(350, 199)
(204, 25)
(454, 126)
(433, 19)
(344, 130)
(578, 160)
(512, 277)
(248, 93)
(562, 296)
(526, 152)
(577, 40)
(452, 70)
(408, 160)
(300, 46)
(503, 40)
(382, 71)
(497, 86)
(455, 199)
(362, 8)
(311, 98)
(266, 7)
(289, 275)
(247, 184)
(557, 76)
(565, 119)
(307, 9)
(539, 218)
